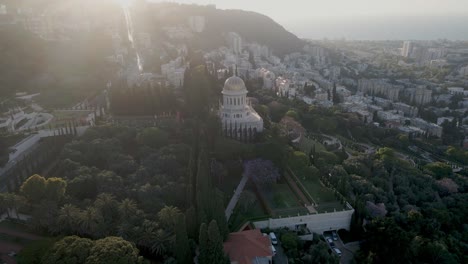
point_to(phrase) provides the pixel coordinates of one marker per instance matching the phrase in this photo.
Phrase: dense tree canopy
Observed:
(69, 250)
(261, 171)
(113, 250)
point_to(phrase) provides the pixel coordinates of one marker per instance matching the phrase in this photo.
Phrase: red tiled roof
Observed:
(246, 245)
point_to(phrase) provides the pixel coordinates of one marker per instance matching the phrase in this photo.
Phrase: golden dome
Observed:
(234, 84)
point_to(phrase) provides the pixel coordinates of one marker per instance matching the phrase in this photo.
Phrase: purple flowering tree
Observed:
(261, 171)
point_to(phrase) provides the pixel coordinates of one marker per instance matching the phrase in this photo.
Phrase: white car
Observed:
(273, 250)
(334, 235)
(337, 251)
(273, 239)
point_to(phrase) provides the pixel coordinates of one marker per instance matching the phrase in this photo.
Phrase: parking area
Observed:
(280, 257)
(346, 251)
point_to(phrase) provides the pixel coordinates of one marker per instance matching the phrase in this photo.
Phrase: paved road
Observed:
(280, 257)
(346, 255)
(236, 196)
(347, 250)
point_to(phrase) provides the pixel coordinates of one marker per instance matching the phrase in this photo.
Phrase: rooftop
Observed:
(246, 246)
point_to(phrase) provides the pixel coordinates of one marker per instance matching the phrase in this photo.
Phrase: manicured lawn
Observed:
(282, 201)
(238, 218)
(320, 193)
(324, 197)
(283, 197)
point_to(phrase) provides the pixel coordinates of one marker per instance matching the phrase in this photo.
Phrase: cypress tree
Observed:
(215, 244)
(191, 197)
(336, 99)
(203, 244)
(191, 223)
(203, 183)
(183, 254)
(219, 215)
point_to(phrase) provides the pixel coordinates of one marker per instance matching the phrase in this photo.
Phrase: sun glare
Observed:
(124, 3)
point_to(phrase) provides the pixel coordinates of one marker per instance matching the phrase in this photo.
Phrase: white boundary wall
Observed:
(317, 223)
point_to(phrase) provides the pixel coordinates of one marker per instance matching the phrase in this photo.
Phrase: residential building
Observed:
(442, 120)
(178, 32)
(379, 87)
(174, 72)
(456, 90)
(430, 128)
(197, 23)
(407, 49)
(234, 42)
(249, 247)
(464, 71)
(285, 87)
(419, 95)
(408, 110)
(268, 78)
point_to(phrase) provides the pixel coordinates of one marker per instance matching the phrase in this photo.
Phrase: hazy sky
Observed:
(302, 9)
(428, 17)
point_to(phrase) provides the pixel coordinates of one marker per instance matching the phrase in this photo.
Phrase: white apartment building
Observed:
(464, 71)
(197, 23)
(407, 49)
(268, 78)
(234, 42)
(174, 72)
(379, 87)
(456, 90)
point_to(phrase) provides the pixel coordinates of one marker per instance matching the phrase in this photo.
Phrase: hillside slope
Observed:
(253, 27)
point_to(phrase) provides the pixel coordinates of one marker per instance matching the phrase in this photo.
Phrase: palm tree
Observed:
(127, 209)
(143, 234)
(108, 208)
(150, 236)
(129, 215)
(106, 204)
(167, 216)
(68, 218)
(162, 241)
(88, 221)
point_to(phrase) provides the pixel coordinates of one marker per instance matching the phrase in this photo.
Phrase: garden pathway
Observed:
(236, 196)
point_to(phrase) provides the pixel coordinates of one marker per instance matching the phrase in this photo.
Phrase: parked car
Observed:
(273, 239)
(334, 235)
(332, 245)
(329, 240)
(337, 251)
(273, 249)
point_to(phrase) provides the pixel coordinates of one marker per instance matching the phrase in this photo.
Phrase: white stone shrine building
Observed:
(240, 120)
